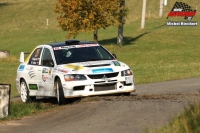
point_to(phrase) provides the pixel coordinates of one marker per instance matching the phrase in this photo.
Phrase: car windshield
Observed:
(73, 54)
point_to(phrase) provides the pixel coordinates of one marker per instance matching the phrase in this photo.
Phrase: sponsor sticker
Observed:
(50, 71)
(62, 71)
(45, 78)
(116, 63)
(33, 86)
(31, 68)
(102, 70)
(76, 46)
(45, 70)
(75, 67)
(87, 45)
(31, 72)
(85, 63)
(21, 68)
(57, 48)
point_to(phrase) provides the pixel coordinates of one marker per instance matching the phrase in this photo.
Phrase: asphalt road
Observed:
(152, 105)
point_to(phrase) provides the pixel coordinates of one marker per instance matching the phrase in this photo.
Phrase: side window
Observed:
(35, 57)
(46, 58)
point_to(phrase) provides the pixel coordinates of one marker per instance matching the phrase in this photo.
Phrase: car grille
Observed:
(100, 76)
(105, 87)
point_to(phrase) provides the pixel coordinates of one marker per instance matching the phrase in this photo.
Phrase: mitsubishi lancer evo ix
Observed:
(72, 69)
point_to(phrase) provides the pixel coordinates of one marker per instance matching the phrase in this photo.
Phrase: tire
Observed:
(59, 92)
(24, 92)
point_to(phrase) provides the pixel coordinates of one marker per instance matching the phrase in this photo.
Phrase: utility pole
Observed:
(161, 8)
(165, 2)
(143, 14)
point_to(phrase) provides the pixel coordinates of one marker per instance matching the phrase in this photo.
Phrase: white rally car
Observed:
(72, 69)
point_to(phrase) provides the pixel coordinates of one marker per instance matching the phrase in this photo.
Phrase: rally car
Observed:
(72, 69)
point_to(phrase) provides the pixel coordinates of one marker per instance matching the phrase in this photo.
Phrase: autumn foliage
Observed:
(75, 16)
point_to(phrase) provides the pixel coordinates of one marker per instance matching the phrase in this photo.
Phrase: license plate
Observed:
(128, 80)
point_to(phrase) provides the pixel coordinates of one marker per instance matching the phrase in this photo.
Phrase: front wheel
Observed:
(59, 92)
(25, 92)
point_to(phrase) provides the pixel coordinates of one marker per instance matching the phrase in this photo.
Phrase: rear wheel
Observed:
(25, 93)
(59, 92)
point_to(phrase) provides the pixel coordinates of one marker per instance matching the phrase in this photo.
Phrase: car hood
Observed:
(92, 67)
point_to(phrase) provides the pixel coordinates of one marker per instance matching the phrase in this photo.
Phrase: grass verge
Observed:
(187, 122)
(19, 109)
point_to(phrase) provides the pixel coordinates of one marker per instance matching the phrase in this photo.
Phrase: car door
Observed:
(33, 68)
(45, 75)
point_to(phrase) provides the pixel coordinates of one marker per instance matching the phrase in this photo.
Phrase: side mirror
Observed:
(114, 55)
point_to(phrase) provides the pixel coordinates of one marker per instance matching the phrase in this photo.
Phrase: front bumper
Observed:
(98, 87)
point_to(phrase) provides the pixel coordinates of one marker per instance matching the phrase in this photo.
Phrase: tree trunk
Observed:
(121, 27)
(96, 35)
(120, 35)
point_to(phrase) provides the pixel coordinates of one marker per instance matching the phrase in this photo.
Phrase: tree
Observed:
(121, 26)
(75, 16)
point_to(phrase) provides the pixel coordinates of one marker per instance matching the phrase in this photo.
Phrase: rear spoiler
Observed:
(21, 59)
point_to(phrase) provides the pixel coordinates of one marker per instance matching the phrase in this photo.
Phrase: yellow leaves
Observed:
(91, 16)
(76, 16)
(85, 21)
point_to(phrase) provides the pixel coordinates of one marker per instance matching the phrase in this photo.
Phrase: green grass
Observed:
(187, 122)
(156, 53)
(19, 109)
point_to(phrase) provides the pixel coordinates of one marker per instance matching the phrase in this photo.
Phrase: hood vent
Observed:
(99, 65)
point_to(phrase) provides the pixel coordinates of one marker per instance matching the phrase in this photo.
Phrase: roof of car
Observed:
(71, 42)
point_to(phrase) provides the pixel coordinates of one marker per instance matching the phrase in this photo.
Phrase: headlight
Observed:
(126, 72)
(74, 77)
